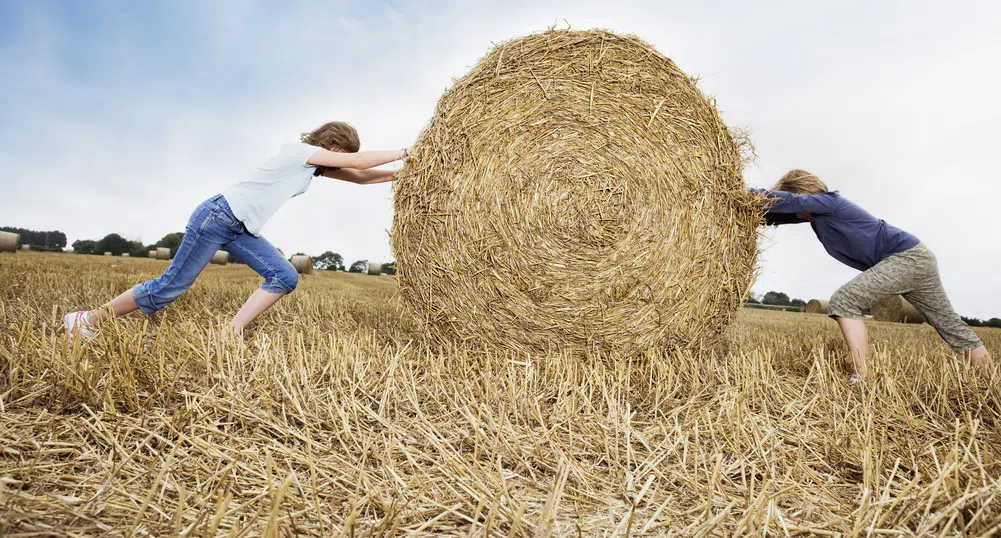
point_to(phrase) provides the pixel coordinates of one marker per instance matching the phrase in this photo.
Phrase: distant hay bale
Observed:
(575, 191)
(221, 257)
(817, 306)
(8, 241)
(374, 269)
(163, 253)
(896, 309)
(151, 254)
(25, 247)
(303, 264)
(107, 254)
(126, 255)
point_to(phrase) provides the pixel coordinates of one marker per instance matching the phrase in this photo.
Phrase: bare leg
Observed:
(121, 305)
(857, 338)
(981, 359)
(257, 303)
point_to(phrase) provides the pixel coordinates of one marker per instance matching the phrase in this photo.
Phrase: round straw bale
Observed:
(107, 253)
(8, 241)
(817, 306)
(163, 253)
(126, 255)
(221, 257)
(303, 264)
(25, 247)
(575, 191)
(896, 309)
(374, 269)
(151, 254)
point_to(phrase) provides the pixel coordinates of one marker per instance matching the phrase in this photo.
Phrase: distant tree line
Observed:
(777, 298)
(46, 241)
(118, 245)
(974, 322)
(332, 261)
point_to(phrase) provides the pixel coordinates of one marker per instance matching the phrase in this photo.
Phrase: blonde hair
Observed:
(801, 182)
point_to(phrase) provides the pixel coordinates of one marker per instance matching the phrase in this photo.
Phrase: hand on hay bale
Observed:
(575, 191)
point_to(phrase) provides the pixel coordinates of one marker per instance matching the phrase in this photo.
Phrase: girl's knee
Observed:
(283, 280)
(844, 306)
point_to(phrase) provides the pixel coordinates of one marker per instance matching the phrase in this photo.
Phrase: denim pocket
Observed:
(223, 217)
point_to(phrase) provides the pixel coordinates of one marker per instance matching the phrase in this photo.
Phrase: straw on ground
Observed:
(335, 417)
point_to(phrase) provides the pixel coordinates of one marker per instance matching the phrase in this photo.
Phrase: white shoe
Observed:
(76, 324)
(855, 380)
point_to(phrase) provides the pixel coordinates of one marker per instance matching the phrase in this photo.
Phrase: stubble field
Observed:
(336, 418)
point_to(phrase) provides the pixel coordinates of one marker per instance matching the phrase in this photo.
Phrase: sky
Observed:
(122, 116)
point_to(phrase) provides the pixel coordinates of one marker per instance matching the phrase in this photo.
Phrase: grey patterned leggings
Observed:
(913, 274)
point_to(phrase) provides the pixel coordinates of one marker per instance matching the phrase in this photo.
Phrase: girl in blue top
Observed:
(232, 221)
(892, 261)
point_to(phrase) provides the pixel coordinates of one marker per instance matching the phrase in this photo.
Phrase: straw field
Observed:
(334, 417)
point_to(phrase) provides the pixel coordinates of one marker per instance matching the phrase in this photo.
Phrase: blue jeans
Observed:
(213, 227)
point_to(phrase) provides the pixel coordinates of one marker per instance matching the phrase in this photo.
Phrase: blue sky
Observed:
(122, 116)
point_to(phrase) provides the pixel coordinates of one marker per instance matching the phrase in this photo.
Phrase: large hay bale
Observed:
(896, 309)
(151, 254)
(221, 257)
(8, 241)
(575, 191)
(817, 306)
(303, 264)
(163, 253)
(374, 269)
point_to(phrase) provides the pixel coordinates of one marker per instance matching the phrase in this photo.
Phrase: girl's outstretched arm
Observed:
(362, 160)
(787, 202)
(361, 177)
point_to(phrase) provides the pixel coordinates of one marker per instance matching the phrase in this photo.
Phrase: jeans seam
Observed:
(198, 235)
(265, 264)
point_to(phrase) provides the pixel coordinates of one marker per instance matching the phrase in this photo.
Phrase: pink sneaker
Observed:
(75, 324)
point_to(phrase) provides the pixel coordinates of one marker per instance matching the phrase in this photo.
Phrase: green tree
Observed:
(993, 322)
(389, 268)
(359, 266)
(972, 322)
(171, 241)
(776, 298)
(51, 241)
(113, 243)
(329, 261)
(137, 249)
(797, 302)
(84, 246)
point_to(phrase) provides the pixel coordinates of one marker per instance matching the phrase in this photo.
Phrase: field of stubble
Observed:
(335, 418)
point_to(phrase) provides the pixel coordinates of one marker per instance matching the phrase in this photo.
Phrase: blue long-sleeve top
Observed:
(849, 233)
